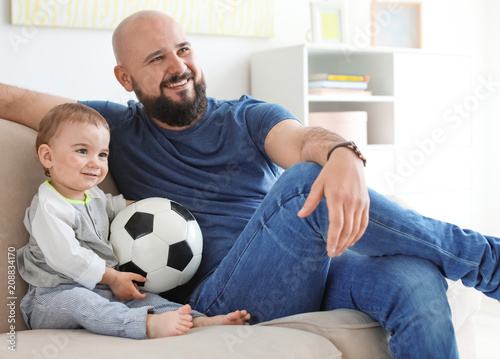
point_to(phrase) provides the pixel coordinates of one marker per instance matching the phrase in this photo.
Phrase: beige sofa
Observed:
(335, 334)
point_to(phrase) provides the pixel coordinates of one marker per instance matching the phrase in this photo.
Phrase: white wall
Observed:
(78, 63)
(489, 133)
(57, 59)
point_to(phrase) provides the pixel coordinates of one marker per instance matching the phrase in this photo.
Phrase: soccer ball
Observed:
(158, 239)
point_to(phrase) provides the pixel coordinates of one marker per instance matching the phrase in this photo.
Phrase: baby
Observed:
(69, 262)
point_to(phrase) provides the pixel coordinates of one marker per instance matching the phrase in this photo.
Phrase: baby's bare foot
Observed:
(238, 317)
(169, 324)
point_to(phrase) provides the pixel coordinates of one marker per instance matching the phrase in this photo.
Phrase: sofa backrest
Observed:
(20, 175)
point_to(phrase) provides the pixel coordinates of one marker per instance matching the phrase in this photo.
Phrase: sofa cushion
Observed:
(205, 342)
(21, 175)
(345, 328)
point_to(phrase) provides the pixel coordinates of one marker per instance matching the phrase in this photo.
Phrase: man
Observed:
(312, 238)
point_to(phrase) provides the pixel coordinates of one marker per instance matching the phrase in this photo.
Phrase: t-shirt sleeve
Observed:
(261, 117)
(115, 114)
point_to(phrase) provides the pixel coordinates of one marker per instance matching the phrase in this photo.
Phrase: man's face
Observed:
(175, 113)
(164, 71)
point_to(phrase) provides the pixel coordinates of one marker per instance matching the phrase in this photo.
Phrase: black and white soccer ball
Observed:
(158, 239)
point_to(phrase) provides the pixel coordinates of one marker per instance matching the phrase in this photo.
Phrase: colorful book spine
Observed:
(338, 77)
(358, 85)
(328, 91)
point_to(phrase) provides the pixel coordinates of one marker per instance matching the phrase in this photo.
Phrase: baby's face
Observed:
(77, 158)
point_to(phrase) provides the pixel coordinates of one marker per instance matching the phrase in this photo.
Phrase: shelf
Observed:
(412, 148)
(349, 98)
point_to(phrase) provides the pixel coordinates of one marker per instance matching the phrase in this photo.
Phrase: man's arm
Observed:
(341, 181)
(25, 106)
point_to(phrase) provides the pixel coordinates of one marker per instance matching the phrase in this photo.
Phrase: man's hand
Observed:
(122, 285)
(343, 185)
(341, 181)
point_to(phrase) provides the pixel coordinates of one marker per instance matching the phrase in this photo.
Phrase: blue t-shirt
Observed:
(217, 168)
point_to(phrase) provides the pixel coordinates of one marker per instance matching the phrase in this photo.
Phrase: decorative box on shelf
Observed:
(349, 124)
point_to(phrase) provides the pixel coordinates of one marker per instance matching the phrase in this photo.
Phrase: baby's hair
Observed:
(64, 114)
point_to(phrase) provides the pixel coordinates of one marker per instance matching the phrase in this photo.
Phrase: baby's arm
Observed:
(122, 285)
(52, 229)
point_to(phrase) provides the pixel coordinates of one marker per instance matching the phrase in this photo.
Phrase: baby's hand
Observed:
(122, 285)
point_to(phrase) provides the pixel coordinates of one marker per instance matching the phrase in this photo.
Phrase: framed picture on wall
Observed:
(396, 24)
(329, 21)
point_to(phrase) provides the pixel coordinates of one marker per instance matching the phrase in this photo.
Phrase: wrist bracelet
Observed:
(351, 145)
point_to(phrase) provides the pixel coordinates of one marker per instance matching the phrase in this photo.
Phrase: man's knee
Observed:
(304, 169)
(300, 175)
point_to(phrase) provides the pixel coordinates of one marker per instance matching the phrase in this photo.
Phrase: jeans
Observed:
(279, 266)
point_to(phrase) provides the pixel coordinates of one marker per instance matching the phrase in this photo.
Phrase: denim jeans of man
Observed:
(394, 273)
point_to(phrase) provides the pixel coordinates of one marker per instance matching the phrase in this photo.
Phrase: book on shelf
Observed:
(340, 92)
(358, 85)
(338, 77)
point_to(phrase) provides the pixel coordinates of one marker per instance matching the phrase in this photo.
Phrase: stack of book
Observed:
(331, 84)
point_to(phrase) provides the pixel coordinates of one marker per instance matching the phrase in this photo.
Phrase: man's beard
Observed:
(173, 113)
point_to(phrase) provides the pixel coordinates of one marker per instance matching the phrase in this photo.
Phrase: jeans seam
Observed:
(423, 242)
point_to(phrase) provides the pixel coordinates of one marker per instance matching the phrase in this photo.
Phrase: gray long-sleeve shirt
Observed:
(68, 239)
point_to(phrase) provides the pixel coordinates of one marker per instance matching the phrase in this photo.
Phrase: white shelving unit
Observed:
(281, 76)
(419, 145)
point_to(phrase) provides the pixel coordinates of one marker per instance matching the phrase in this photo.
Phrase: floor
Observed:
(488, 329)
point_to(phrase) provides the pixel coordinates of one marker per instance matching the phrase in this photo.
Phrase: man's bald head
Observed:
(138, 26)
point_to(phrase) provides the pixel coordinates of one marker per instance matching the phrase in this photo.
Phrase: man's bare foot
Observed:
(169, 324)
(238, 317)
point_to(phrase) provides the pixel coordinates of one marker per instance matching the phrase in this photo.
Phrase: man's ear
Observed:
(123, 78)
(45, 155)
